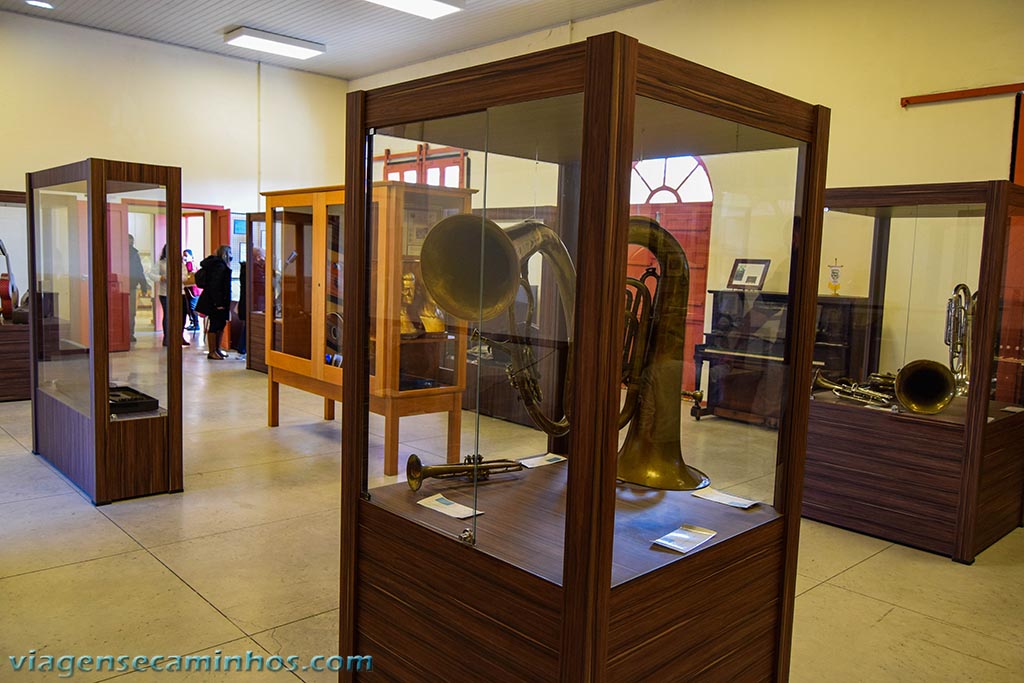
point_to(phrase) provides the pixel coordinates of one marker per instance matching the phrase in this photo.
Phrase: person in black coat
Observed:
(136, 279)
(215, 301)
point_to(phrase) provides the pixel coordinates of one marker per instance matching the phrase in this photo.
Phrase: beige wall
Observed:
(233, 127)
(857, 57)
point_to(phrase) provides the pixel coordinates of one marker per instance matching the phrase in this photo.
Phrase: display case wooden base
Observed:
(901, 477)
(950, 482)
(671, 618)
(15, 369)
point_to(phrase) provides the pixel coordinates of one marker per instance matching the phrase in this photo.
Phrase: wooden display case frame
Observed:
(308, 374)
(951, 483)
(255, 321)
(108, 459)
(387, 398)
(724, 613)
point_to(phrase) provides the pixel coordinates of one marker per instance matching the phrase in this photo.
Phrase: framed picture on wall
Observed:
(748, 273)
(237, 224)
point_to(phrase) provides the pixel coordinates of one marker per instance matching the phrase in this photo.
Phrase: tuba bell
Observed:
(453, 257)
(925, 386)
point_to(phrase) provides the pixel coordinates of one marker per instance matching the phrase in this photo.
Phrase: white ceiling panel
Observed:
(361, 38)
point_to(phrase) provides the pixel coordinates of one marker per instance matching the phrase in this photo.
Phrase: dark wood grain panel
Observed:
(800, 336)
(355, 342)
(680, 623)
(64, 437)
(905, 195)
(608, 109)
(672, 79)
(137, 459)
(388, 664)
(524, 525)
(549, 73)
(12, 196)
(255, 358)
(15, 370)
(1001, 482)
(871, 471)
(505, 620)
(984, 336)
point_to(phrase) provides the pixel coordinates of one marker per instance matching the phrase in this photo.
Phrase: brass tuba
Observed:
(925, 386)
(452, 260)
(959, 323)
(921, 386)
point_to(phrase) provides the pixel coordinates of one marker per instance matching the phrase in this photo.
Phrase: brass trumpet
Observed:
(853, 391)
(474, 465)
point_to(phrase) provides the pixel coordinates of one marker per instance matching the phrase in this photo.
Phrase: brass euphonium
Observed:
(453, 257)
(959, 319)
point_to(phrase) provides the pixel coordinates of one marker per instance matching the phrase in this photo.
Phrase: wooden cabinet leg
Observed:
(455, 432)
(272, 402)
(390, 442)
(328, 409)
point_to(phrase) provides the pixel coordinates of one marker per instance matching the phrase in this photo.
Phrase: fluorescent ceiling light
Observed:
(39, 3)
(428, 9)
(273, 43)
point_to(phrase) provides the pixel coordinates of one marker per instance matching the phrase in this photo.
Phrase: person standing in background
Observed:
(136, 278)
(160, 276)
(214, 278)
(240, 346)
(190, 294)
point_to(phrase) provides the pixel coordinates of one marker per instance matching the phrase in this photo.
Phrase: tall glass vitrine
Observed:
(536, 556)
(106, 403)
(932, 459)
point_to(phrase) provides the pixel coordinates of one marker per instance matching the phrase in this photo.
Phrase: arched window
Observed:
(672, 180)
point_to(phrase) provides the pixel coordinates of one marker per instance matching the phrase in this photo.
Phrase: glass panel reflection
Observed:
(62, 283)
(137, 364)
(473, 284)
(293, 280)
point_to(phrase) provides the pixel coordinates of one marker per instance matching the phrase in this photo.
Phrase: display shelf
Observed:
(556, 580)
(950, 482)
(80, 265)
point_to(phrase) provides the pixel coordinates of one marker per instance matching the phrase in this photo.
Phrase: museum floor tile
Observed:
(246, 559)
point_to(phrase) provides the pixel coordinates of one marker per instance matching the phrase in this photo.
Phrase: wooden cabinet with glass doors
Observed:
(423, 368)
(106, 405)
(527, 566)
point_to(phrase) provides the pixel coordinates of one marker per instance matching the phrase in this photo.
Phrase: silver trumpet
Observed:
(473, 466)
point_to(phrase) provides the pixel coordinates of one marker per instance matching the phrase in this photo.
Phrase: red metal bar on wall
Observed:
(962, 94)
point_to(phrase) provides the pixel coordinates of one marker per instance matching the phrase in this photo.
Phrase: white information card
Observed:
(448, 507)
(541, 460)
(709, 493)
(685, 538)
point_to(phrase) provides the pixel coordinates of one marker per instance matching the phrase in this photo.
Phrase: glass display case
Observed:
(922, 445)
(106, 405)
(255, 290)
(303, 259)
(613, 186)
(420, 368)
